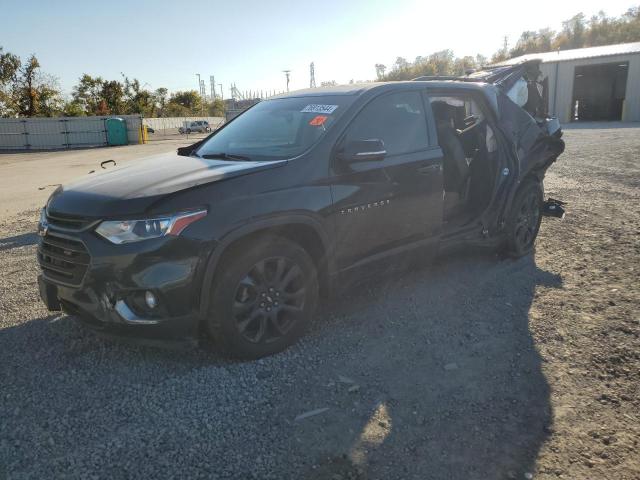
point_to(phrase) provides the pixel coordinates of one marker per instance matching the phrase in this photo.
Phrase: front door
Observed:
(394, 201)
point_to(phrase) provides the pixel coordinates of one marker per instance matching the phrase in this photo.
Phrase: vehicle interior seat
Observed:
(455, 166)
(470, 136)
(482, 166)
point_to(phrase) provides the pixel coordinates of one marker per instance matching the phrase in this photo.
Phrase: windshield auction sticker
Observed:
(314, 108)
(318, 120)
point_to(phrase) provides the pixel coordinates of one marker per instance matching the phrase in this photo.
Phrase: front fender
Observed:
(255, 226)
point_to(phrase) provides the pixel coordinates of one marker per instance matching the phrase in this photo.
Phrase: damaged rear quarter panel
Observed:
(535, 149)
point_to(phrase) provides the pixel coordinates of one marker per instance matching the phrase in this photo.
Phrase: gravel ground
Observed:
(473, 368)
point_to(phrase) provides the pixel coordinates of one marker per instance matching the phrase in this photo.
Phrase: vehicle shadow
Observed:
(428, 373)
(448, 382)
(16, 241)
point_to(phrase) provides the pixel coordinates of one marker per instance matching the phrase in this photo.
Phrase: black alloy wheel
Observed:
(525, 218)
(264, 295)
(269, 300)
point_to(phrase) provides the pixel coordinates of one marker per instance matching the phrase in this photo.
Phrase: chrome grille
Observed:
(63, 259)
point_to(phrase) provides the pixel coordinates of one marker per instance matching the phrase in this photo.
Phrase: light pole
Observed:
(286, 74)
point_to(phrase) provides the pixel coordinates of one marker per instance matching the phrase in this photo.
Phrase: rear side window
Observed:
(397, 119)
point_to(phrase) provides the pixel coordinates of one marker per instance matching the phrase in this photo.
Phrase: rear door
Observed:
(390, 203)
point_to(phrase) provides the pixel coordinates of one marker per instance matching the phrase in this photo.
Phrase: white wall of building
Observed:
(562, 74)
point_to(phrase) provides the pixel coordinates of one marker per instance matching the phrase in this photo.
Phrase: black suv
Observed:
(237, 236)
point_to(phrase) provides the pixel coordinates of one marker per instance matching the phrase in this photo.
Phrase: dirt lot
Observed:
(474, 368)
(27, 179)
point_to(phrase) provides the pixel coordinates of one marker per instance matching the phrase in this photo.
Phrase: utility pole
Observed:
(212, 84)
(221, 92)
(312, 75)
(287, 75)
(203, 95)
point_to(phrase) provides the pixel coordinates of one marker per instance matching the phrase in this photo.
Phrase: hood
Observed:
(132, 189)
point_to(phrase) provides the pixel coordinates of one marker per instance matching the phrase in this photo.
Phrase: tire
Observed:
(263, 298)
(524, 219)
(188, 131)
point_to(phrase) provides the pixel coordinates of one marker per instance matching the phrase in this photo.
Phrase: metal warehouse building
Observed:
(592, 84)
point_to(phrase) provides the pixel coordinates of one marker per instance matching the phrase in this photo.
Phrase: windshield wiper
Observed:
(225, 156)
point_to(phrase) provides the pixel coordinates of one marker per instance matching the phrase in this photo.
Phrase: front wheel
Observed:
(524, 219)
(263, 297)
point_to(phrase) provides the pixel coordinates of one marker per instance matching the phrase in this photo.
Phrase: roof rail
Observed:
(435, 77)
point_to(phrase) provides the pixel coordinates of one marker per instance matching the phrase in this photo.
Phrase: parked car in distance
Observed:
(149, 129)
(199, 126)
(236, 237)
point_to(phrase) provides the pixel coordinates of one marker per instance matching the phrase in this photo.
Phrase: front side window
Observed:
(397, 119)
(278, 129)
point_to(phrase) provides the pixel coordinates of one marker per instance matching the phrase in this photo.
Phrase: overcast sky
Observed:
(165, 43)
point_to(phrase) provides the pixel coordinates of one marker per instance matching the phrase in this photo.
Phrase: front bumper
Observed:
(110, 294)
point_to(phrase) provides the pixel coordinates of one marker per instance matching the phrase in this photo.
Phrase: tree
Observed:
(73, 108)
(380, 69)
(442, 62)
(111, 97)
(481, 60)
(572, 34)
(50, 101)
(161, 100)
(503, 53)
(138, 99)
(464, 65)
(577, 32)
(9, 67)
(36, 93)
(184, 104)
(88, 93)
(216, 108)
(400, 64)
(533, 42)
(27, 94)
(629, 28)
(112, 94)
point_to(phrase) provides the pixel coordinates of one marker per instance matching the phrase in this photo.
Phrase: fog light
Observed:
(150, 299)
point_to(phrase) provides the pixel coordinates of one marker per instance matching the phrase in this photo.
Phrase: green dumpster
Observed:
(116, 131)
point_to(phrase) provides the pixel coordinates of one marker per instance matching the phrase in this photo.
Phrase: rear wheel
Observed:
(188, 131)
(524, 220)
(263, 297)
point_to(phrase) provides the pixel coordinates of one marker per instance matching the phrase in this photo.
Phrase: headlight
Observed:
(43, 226)
(127, 231)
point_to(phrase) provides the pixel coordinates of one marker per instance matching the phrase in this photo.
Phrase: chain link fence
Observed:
(27, 134)
(174, 128)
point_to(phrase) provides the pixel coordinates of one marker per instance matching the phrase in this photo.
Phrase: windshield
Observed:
(277, 129)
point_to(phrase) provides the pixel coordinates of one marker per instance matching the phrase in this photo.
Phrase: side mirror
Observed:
(186, 151)
(362, 150)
